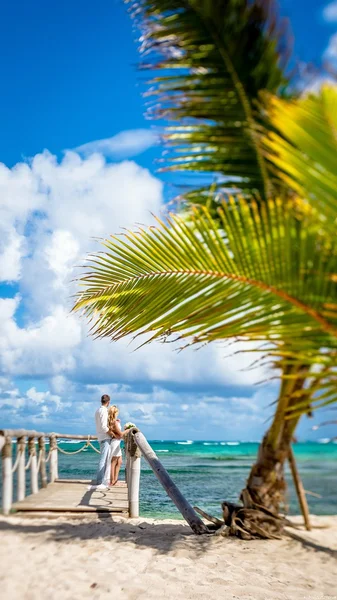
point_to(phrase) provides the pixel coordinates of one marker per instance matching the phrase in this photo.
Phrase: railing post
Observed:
(34, 482)
(127, 464)
(196, 524)
(7, 476)
(53, 458)
(133, 485)
(42, 459)
(21, 446)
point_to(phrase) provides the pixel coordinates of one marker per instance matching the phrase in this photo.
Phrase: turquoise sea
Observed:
(209, 472)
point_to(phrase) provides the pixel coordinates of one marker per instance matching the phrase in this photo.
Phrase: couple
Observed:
(109, 434)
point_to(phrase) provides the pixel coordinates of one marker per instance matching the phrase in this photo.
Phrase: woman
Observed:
(115, 458)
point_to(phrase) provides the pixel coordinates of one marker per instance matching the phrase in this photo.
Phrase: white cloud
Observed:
(330, 53)
(158, 411)
(123, 145)
(40, 348)
(43, 398)
(33, 406)
(12, 248)
(52, 210)
(76, 198)
(330, 12)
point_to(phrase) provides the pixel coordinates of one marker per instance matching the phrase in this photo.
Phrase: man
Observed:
(104, 438)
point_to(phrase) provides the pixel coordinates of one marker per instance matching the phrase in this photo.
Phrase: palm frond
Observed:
(303, 149)
(214, 59)
(265, 274)
(320, 389)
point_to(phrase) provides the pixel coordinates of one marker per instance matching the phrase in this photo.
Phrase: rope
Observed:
(7, 448)
(93, 447)
(86, 445)
(21, 445)
(28, 463)
(39, 461)
(31, 451)
(76, 451)
(131, 446)
(48, 457)
(16, 462)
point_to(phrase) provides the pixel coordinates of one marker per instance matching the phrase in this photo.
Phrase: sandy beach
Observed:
(145, 559)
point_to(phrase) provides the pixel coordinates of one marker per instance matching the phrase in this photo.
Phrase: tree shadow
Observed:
(312, 544)
(163, 538)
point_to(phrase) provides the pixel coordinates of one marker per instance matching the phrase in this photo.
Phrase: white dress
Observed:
(115, 446)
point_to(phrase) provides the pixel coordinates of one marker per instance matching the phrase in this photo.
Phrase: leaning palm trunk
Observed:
(266, 485)
(263, 498)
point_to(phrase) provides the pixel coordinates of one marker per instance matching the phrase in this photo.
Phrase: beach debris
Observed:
(247, 523)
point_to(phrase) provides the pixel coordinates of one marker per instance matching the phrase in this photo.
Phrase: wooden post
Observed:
(299, 490)
(21, 446)
(196, 524)
(127, 465)
(53, 458)
(7, 476)
(42, 459)
(133, 485)
(34, 481)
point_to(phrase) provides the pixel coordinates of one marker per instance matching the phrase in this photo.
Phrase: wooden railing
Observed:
(43, 465)
(38, 461)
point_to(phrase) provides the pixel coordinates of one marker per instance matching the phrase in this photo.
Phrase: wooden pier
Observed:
(73, 496)
(47, 493)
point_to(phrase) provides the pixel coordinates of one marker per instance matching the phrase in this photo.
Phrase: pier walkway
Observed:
(72, 495)
(45, 492)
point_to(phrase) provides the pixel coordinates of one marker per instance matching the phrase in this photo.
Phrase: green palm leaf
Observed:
(321, 376)
(269, 275)
(304, 148)
(214, 58)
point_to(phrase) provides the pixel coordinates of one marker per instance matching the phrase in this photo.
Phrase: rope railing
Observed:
(28, 463)
(36, 462)
(88, 444)
(136, 446)
(16, 464)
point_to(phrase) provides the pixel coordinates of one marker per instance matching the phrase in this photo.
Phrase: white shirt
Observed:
(101, 419)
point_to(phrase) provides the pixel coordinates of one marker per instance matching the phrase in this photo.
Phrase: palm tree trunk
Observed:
(266, 485)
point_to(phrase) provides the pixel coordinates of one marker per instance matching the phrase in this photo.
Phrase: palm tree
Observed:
(214, 59)
(264, 269)
(266, 274)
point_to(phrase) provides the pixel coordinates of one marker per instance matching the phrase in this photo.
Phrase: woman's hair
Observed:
(112, 414)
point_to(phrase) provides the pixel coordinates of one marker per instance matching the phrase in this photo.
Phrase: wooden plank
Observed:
(29, 514)
(65, 509)
(121, 484)
(74, 496)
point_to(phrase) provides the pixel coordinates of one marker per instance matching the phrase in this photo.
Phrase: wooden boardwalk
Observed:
(72, 495)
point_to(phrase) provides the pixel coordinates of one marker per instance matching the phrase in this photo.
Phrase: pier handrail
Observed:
(136, 445)
(37, 460)
(189, 514)
(17, 433)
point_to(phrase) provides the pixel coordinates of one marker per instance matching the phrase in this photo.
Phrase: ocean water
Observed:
(209, 472)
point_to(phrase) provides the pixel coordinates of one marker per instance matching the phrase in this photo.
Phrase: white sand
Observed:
(149, 559)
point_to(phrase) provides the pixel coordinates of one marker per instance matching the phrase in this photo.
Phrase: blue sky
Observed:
(69, 80)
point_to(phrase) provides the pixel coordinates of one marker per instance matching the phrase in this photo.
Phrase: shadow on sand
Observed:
(161, 537)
